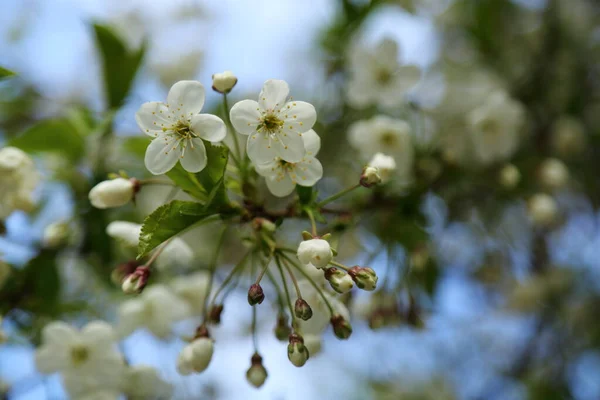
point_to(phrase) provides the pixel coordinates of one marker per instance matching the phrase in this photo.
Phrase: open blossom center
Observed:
(383, 75)
(79, 354)
(270, 123)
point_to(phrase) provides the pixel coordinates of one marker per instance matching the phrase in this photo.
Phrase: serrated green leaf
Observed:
(119, 64)
(167, 221)
(212, 177)
(52, 135)
(6, 73)
(187, 182)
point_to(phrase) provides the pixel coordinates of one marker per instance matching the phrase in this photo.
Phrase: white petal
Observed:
(273, 94)
(298, 116)
(312, 143)
(58, 333)
(260, 148)
(209, 127)
(360, 93)
(99, 333)
(289, 146)
(270, 168)
(49, 360)
(160, 155)
(308, 172)
(131, 316)
(405, 78)
(245, 116)
(152, 117)
(386, 53)
(281, 187)
(128, 232)
(186, 97)
(194, 158)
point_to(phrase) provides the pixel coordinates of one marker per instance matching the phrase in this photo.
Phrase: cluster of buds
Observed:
(339, 281)
(297, 351)
(257, 373)
(114, 192)
(136, 281)
(365, 278)
(196, 356)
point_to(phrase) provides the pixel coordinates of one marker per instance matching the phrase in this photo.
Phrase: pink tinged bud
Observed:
(341, 327)
(364, 277)
(297, 351)
(214, 314)
(338, 280)
(303, 310)
(282, 329)
(257, 373)
(255, 294)
(122, 271)
(136, 281)
(370, 177)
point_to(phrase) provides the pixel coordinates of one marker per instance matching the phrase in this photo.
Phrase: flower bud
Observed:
(255, 294)
(340, 281)
(263, 224)
(303, 310)
(297, 351)
(196, 356)
(364, 277)
(136, 282)
(385, 165)
(214, 314)
(509, 176)
(370, 177)
(554, 173)
(316, 252)
(542, 209)
(282, 329)
(56, 234)
(257, 373)
(122, 271)
(341, 327)
(113, 193)
(223, 82)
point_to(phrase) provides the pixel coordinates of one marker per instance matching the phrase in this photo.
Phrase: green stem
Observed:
(287, 292)
(337, 195)
(238, 153)
(337, 264)
(313, 223)
(294, 281)
(211, 269)
(230, 276)
(254, 336)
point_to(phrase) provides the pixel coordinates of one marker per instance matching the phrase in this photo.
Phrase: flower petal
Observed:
(160, 155)
(260, 148)
(99, 334)
(58, 333)
(273, 94)
(245, 116)
(209, 127)
(194, 158)
(289, 146)
(281, 187)
(268, 169)
(312, 143)
(49, 360)
(309, 171)
(152, 117)
(298, 116)
(186, 97)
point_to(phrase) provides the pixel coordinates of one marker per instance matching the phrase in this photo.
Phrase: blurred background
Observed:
(487, 244)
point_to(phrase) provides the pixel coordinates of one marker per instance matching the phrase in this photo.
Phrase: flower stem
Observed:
(337, 264)
(265, 267)
(230, 276)
(287, 292)
(254, 336)
(337, 195)
(294, 281)
(157, 253)
(151, 181)
(212, 268)
(238, 153)
(313, 224)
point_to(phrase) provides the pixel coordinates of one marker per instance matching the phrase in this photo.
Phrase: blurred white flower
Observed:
(316, 252)
(543, 209)
(378, 78)
(554, 174)
(274, 124)
(283, 176)
(192, 288)
(112, 193)
(157, 308)
(178, 67)
(143, 382)
(178, 129)
(87, 359)
(176, 252)
(509, 176)
(568, 136)
(196, 356)
(494, 127)
(385, 165)
(18, 179)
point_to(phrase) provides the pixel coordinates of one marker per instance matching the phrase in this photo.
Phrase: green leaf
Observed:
(187, 182)
(167, 221)
(52, 135)
(5, 73)
(41, 284)
(119, 65)
(136, 145)
(305, 194)
(215, 169)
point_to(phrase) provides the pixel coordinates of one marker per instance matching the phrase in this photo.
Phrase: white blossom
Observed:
(176, 252)
(554, 174)
(86, 359)
(385, 165)
(316, 252)
(274, 124)
(223, 82)
(283, 176)
(196, 356)
(376, 76)
(143, 382)
(157, 308)
(494, 127)
(192, 288)
(178, 129)
(543, 209)
(509, 176)
(18, 179)
(112, 193)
